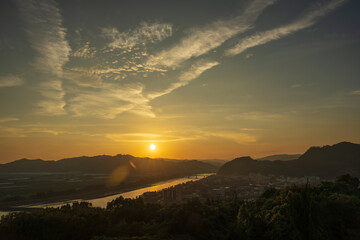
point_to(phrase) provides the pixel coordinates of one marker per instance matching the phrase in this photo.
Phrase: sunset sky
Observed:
(199, 79)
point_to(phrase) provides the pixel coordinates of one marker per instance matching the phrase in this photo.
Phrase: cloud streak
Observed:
(144, 33)
(47, 37)
(11, 80)
(53, 93)
(147, 137)
(46, 34)
(8, 119)
(356, 92)
(297, 85)
(306, 21)
(85, 51)
(110, 100)
(202, 40)
(185, 78)
(239, 138)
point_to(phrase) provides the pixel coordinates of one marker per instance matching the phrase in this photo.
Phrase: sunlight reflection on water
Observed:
(101, 202)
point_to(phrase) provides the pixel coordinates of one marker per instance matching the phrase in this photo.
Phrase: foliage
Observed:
(330, 210)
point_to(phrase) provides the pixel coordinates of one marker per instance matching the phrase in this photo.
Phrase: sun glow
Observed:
(152, 147)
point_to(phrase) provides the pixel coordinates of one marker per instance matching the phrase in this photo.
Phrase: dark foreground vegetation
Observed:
(330, 210)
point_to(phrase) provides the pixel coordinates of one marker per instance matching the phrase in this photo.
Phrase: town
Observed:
(217, 187)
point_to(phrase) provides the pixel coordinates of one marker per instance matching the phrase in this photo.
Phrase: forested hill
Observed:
(107, 164)
(327, 161)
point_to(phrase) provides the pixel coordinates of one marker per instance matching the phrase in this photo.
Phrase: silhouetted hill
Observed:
(327, 161)
(216, 162)
(107, 164)
(281, 157)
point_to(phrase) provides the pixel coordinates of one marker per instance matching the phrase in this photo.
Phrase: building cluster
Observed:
(224, 187)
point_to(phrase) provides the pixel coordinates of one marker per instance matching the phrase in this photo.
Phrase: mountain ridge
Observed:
(326, 161)
(106, 164)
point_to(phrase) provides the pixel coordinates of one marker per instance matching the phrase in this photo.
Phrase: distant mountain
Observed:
(281, 157)
(107, 164)
(327, 161)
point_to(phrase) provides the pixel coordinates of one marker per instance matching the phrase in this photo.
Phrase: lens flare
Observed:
(117, 176)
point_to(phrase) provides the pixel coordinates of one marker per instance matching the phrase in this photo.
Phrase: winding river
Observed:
(102, 202)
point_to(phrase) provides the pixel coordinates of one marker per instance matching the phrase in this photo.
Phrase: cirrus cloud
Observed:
(144, 33)
(306, 21)
(11, 80)
(202, 40)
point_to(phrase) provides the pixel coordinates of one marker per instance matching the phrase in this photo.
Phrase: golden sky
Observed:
(204, 80)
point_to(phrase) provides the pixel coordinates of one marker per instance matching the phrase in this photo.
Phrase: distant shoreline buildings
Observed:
(225, 187)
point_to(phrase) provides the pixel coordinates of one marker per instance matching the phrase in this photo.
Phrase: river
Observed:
(102, 202)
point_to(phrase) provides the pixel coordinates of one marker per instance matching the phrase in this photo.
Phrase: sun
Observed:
(152, 147)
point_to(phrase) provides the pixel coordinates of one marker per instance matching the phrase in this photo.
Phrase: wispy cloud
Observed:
(249, 55)
(47, 38)
(255, 116)
(8, 119)
(138, 68)
(53, 92)
(306, 21)
(11, 80)
(234, 135)
(240, 138)
(25, 131)
(144, 33)
(186, 77)
(297, 85)
(356, 92)
(11, 132)
(202, 40)
(46, 34)
(147, 137)
(83, 78)
(85, 51)
(110, 100)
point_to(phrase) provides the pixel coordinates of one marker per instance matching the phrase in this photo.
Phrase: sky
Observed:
(200, 79)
